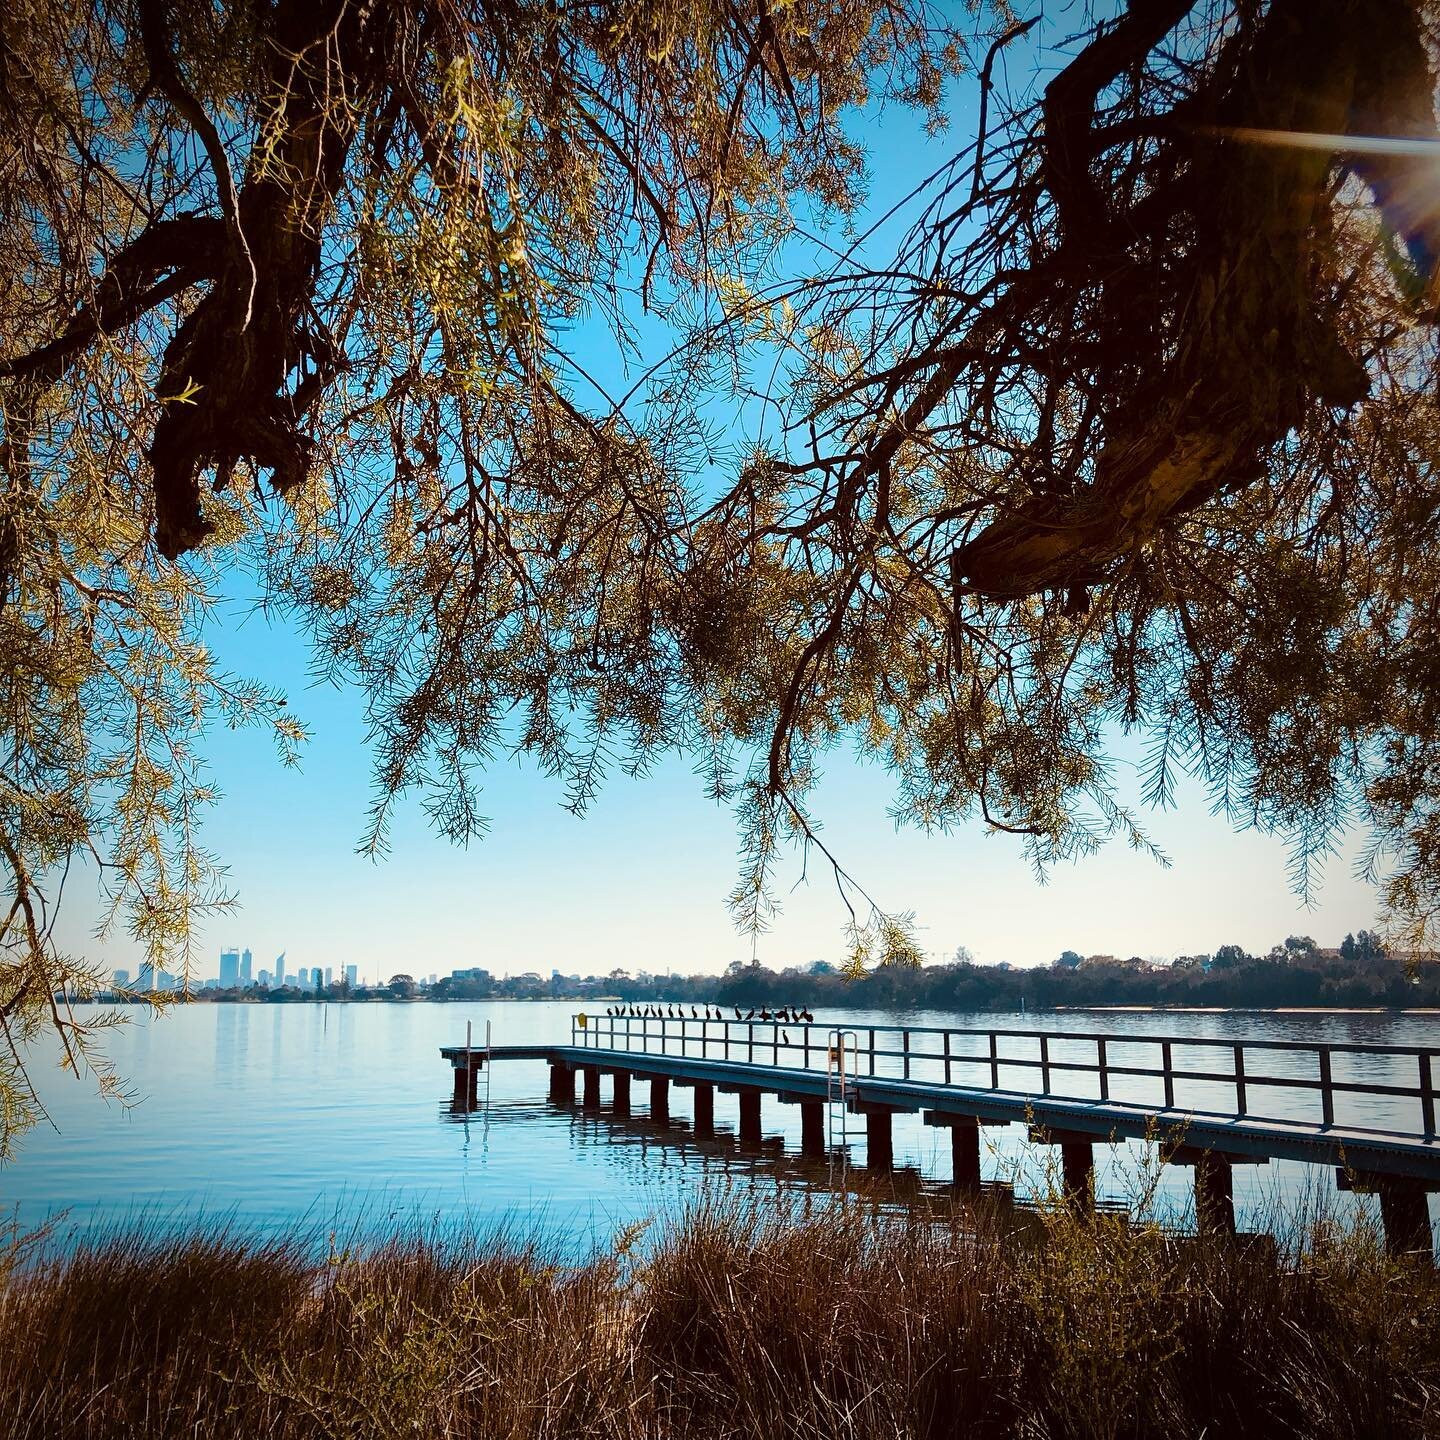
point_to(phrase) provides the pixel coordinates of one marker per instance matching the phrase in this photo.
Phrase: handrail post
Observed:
(1044, 1064)
(1427, 1095)
(1168, 1065)
(750, 1042)
(727, 1039)
(805, 1031)
(905, 1046)
(775, 1038)
(872, 1049)
(947, 1057)
(994, 1062)
(1103, 1062)
(1240, 1100)
(1327, 1095)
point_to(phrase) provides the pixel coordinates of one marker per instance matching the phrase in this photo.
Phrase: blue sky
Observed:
(641, 881)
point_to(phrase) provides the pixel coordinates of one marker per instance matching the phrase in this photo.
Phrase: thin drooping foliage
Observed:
(285, 300)
(733, 1322)
(324, 300)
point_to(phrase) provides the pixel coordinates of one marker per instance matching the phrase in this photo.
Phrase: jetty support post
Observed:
(812, 1129)
(704, 1109)
(660, 1098)
(1214, 1184)
(562, 1083)
(462, 1084)
(812, 1122)
(879, 1135)
(964, 1146)
(749, 1115)
(621, 1102)
(1077, 1161)
(1404, 1210)
(592, 1088)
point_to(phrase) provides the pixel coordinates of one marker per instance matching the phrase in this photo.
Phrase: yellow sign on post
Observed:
(583, 1019)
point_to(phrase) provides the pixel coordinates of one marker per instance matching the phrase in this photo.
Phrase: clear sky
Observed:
(641, 881)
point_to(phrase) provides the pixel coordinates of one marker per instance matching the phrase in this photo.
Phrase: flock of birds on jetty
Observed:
(784, 1015)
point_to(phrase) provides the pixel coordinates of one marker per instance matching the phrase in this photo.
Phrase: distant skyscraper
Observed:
(229, 968)
(245, 963)
(280, 968)
(122, 978)
(263, 979)
(351, 973)
(329, 974)
(145, 980)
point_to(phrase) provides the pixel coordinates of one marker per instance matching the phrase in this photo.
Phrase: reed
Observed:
(834, 1320)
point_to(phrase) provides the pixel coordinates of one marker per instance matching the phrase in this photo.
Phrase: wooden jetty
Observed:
(1057, 1083)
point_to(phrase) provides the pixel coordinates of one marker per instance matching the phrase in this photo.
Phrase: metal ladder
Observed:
(842, 1063)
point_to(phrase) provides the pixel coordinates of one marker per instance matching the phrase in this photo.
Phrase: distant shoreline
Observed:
(592, 1001)
(1247, 1009)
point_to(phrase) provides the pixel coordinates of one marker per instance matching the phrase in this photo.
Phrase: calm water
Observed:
(302, 1116)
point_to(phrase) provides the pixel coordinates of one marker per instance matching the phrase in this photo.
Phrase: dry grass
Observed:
(738, 1321)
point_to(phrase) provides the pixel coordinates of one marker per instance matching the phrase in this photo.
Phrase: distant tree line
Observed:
(1360, 972)
(1298, 972)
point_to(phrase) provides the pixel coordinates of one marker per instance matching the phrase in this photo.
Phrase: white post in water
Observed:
(469, 1071)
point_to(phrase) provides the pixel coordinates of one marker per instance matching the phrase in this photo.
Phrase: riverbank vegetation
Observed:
(1357, 973)
(731, 1322)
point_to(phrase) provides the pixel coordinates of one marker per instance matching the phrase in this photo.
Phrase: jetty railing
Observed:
(1162, 1071)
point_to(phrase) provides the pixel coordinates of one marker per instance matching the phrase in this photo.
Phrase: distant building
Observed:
(280, 968)
(122, 979)
(352, 974)
(245, 963)
(263, 979)
(329, 974)
(229, 968)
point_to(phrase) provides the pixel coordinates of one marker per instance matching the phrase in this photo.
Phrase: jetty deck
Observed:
(1059, 1084)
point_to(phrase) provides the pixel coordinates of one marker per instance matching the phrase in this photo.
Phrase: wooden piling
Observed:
(749, 1116)
(1077, 1165)
(1077, 1161)
(1405, 1214)
(1214, 1194)
(592, 1088)
(879, 1140)
(621, 1103)
(660, 1097)
(1404, 1210)
(562, 1084)
(812, 1129)
(965, 1157)
(704, 1109)
(461, 1088)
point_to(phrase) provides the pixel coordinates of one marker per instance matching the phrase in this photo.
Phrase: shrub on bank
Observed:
(735, 1321)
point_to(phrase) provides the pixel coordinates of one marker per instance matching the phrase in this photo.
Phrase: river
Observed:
(327, 1118)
